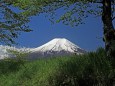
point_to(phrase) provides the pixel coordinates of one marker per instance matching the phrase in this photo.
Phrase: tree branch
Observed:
(113, 18)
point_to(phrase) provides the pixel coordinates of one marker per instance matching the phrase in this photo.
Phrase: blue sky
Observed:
(87, 36)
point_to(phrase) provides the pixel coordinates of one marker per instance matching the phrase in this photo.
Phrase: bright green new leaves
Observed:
(12, 22)
(74, 10)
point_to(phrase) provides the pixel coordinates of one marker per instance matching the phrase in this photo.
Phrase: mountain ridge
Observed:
(55, 47)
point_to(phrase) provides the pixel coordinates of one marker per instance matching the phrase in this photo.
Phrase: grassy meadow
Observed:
(91, 69)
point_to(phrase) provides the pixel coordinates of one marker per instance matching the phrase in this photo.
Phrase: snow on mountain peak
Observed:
(55, 47)
(58, 44)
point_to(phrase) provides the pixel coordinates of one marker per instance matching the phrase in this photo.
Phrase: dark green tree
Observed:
(75, 11)
(11, 22)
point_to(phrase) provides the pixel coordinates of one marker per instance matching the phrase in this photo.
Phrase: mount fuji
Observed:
(56, 47)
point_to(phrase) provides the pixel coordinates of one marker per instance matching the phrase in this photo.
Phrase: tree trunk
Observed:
(109, 32)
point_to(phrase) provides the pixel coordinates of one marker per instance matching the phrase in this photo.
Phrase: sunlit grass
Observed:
(92, 69)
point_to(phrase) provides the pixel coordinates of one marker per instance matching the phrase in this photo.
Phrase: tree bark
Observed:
(109, 32)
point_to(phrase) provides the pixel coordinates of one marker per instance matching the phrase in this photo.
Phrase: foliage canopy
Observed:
(12, 22)
(74, 10)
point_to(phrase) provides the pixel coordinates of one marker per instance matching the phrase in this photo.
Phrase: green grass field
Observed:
(91, 69)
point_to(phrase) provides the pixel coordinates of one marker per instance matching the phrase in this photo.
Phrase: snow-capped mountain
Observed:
(56, 47)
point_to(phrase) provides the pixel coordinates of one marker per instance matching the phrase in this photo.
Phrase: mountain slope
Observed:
(5, 51)
(56, 47)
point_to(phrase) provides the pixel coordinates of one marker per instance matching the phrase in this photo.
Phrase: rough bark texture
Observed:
(109, 32)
